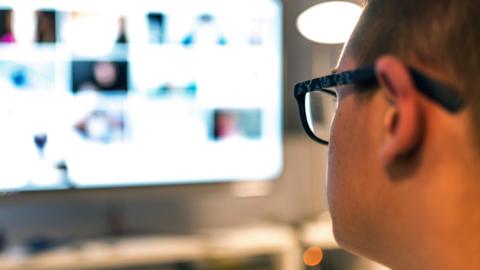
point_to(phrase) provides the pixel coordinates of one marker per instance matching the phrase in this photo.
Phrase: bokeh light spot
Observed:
(313, 256)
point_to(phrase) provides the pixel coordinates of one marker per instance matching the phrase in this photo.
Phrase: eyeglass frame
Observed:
(365, 78)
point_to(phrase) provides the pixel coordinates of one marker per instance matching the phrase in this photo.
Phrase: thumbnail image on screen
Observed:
(101, 76)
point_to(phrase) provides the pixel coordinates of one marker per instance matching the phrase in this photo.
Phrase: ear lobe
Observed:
(403, 120)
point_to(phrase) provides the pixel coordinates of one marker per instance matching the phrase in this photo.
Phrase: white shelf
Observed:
(225, 244)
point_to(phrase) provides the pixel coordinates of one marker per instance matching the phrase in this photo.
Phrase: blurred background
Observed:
(161, 134)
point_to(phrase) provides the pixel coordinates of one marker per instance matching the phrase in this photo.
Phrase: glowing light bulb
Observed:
(330, 22)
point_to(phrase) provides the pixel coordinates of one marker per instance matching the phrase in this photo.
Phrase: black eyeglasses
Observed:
(317, 99)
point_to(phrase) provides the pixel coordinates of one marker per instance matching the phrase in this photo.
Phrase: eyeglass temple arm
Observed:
(447, 97)
(436, 91)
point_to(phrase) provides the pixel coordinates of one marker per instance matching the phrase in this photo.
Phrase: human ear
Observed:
(403, 120)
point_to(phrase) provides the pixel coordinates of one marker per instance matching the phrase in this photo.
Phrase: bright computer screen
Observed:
(97, 93)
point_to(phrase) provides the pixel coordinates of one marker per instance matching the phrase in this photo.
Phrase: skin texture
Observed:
(402, 189)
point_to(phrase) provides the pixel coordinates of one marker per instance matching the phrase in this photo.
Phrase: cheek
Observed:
(342, 158)
(347, 161)
(337, 166)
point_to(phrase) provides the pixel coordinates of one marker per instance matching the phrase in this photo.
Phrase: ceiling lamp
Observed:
(330, 22)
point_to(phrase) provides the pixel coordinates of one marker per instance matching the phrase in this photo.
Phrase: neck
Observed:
(448, 222)
(439, 210)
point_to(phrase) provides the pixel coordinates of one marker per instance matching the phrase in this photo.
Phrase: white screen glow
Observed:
(98, 94)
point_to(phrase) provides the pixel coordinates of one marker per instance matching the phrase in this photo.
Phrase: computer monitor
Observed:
(102, 94)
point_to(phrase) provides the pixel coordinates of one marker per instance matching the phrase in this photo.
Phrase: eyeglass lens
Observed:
(320, 110)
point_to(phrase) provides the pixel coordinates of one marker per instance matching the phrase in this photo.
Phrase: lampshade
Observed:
(330, 22)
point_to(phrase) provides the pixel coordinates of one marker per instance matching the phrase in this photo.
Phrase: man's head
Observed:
(403, 179)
